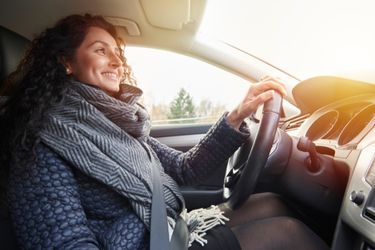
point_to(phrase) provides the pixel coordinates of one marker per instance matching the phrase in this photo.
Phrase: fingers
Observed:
(257, 94)
(263, 91)
(267, 83)
(253, 103)
(265, 96)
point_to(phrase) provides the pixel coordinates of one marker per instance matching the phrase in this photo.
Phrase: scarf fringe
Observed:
(201, 220)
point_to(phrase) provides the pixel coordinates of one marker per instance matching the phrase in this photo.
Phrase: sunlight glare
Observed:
(305, 38)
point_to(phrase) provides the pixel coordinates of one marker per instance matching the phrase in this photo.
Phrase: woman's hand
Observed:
(258, 93)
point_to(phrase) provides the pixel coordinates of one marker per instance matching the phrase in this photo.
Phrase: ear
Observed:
(67, 64)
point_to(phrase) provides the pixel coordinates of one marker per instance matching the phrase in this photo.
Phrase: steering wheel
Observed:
(245, 165)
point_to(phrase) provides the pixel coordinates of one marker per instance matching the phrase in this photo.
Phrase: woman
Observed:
(80, 153)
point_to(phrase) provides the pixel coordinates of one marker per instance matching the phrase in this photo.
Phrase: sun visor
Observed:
(130, 26)
(168, 14)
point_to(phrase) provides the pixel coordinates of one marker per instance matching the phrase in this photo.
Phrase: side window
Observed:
(182, 90)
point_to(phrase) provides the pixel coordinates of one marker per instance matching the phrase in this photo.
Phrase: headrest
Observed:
(12, 49)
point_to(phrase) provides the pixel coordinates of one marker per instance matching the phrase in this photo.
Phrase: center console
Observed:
(356, 225)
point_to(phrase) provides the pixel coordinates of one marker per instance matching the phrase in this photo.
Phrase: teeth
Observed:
(111, 76)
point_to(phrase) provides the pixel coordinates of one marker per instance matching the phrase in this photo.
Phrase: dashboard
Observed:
(341, 123)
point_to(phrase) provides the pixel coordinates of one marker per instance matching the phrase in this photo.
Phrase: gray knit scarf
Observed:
(105, 138)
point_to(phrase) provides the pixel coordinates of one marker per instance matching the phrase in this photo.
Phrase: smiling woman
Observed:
(97, 62)
(82, 164)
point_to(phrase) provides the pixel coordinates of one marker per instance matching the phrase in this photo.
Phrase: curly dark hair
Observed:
(40, 81)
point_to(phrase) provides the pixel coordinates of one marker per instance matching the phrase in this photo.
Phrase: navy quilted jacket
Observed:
(55, 206)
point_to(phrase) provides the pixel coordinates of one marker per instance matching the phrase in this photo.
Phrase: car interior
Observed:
(321, 160)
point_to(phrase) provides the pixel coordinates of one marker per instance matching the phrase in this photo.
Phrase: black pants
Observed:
(264, 222)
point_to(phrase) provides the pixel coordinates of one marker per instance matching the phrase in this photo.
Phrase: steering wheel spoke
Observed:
(233, 176)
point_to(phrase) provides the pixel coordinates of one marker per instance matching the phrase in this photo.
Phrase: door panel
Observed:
(184, 137)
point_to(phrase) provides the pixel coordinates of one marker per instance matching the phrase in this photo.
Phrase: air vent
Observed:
(369, 209)
(370, 213)
(293, 123)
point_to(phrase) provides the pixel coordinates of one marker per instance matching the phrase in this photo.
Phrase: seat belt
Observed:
(180, 235)
(159, 235)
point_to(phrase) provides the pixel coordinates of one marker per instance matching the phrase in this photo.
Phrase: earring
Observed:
(68, 72)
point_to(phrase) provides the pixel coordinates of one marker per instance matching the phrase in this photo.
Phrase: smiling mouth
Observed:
(110, 75)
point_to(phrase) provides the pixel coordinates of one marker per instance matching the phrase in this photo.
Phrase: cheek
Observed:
(87, 64)
(92, 64)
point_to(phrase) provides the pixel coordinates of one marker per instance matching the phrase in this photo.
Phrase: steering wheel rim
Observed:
(237, 193)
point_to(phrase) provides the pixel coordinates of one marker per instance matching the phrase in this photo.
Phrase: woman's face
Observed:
(97, 61)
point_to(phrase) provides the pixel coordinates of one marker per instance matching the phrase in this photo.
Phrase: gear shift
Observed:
(306, 145)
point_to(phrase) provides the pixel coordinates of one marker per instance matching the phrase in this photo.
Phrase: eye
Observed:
(100, 51)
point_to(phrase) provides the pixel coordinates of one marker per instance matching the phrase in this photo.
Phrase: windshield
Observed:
(304, 38)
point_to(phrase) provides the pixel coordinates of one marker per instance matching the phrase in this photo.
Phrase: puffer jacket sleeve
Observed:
(45, 205)
(220, 142)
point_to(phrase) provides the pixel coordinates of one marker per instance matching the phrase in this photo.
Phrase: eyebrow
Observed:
(117, 49)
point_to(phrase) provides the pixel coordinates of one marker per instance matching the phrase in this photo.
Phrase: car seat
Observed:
(12, 49)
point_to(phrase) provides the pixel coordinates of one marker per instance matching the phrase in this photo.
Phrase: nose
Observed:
(115, 60)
